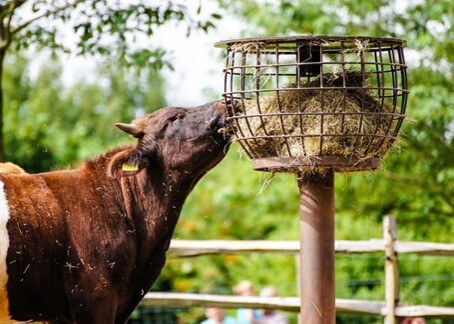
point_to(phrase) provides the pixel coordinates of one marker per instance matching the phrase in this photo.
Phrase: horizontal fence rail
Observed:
(182, 248)
(291, 304)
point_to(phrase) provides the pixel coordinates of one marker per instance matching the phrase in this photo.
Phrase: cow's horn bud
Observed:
(131, 129)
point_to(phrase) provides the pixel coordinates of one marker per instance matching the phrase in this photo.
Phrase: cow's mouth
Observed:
(229, 128)
(220, 125)
(222, 132)
(226, 130)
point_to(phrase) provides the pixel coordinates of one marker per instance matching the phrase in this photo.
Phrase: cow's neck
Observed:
(150, 202)
(152, 199)
(155, 215)
(156, 202)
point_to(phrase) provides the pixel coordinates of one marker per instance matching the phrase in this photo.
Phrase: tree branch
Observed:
(14, 5)
(46, 14)
(5, 34)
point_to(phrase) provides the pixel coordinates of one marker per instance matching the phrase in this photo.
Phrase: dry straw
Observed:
(342, 118)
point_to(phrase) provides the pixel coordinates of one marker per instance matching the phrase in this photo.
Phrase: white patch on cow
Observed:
(4, 244)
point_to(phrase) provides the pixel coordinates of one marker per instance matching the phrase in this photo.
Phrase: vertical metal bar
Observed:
(317, 248)
(391, 269)
(322, 103)
(393, 70)
(247, 119)
(380, 99)
(381, 83)
(228, 83)
(344, 85)
(300, 105)
(383, 73)
(359, 141)
(257, 76)
(279, 104)
(394, 67)
(403, 84)
(233, 89)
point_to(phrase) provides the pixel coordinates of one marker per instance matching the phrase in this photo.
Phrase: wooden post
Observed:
(317, 290)
(391, 269)
(298, 283)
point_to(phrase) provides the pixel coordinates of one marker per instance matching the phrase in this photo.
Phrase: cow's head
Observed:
(186, 140)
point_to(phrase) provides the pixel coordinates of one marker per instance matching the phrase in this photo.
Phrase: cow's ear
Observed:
(127, 163)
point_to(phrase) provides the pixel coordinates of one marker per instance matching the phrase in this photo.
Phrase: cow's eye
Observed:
(174, 118)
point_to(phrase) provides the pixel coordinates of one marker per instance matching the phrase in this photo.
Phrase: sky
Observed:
(197, 64)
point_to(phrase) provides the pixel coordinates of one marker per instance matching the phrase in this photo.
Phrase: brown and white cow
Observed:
(85, 245)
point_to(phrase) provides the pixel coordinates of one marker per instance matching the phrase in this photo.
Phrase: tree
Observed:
(50, 124)
(25, 23)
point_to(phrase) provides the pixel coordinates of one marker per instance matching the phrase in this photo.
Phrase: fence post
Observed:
(391, 269)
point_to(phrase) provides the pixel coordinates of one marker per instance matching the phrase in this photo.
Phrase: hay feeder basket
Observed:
(315, 101)
(315, 105)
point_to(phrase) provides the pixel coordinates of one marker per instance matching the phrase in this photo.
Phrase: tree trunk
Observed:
(2, 149)
(4, 42)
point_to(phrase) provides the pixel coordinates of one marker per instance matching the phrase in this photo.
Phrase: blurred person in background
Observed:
(270, 316)
(413, 320)
(216, 315)
(246, 315)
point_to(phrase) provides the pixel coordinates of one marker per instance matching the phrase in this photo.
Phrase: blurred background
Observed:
(71, 69)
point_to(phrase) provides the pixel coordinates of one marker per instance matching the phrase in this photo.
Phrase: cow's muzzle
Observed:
(223, 125)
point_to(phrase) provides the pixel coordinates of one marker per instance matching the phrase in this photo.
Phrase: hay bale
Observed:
(305, 122)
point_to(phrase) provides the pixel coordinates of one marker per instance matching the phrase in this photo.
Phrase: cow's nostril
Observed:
(216, 122)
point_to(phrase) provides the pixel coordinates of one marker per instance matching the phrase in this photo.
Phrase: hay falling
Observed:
(342, 118)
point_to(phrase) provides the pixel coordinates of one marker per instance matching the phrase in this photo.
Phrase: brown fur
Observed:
(8, 167)
(85, 247)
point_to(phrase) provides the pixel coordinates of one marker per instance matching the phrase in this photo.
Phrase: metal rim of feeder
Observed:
(319, 66)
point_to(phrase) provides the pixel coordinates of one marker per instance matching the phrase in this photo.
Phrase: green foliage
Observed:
(237, 209)
(48, 125)
(114, 29)
(228, 201)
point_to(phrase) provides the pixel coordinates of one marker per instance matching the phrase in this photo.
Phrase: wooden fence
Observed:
(390, 308)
